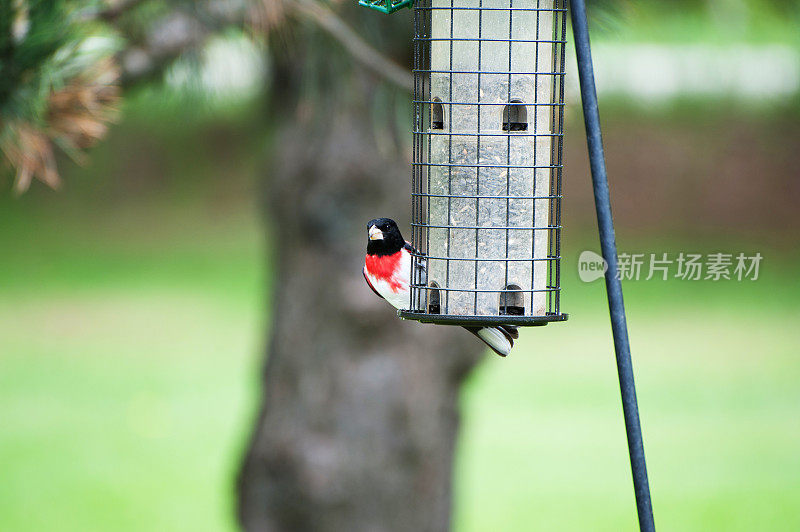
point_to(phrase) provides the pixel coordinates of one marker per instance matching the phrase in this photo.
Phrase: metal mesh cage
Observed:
(487, 138)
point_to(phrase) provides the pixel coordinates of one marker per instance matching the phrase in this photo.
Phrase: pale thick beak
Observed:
(375, 233)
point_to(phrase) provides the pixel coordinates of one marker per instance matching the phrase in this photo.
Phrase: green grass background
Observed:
(130, 344)
(129, 356)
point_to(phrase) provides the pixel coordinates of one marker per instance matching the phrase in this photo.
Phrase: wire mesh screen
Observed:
(487, 138)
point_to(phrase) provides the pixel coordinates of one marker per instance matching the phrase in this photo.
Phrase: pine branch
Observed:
(52, 91)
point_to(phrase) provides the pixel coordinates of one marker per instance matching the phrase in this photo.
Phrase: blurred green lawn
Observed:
(130, 344)
(129, 357)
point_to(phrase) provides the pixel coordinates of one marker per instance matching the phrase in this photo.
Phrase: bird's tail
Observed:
(500, 339)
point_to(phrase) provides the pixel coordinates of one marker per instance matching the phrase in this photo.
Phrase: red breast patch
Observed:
(384, 267)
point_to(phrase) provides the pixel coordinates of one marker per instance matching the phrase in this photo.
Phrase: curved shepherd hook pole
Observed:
(619, 327)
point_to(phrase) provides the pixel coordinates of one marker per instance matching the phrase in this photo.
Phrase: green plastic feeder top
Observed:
(386, 6)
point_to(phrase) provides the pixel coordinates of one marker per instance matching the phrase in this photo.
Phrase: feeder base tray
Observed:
(475, 321)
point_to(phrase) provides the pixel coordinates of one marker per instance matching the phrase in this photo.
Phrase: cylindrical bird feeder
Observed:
(486, 191)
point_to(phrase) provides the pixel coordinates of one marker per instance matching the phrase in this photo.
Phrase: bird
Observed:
(387, 270)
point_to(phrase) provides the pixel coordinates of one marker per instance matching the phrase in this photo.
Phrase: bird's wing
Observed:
(370, 284)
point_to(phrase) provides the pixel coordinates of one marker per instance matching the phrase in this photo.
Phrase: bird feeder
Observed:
(486, 187)
(487, 132)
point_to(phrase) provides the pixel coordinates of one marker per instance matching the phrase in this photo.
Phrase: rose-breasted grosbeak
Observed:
(387, 270)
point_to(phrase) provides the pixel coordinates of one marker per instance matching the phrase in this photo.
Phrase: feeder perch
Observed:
(486, 179)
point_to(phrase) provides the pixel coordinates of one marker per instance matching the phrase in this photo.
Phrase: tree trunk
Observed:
(359, 410)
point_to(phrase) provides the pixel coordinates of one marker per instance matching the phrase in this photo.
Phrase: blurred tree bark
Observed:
(359, 411)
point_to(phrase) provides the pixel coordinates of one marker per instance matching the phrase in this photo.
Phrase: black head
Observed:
(384, 237)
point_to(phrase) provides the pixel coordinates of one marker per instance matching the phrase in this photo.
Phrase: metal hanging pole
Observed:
(619, 327)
